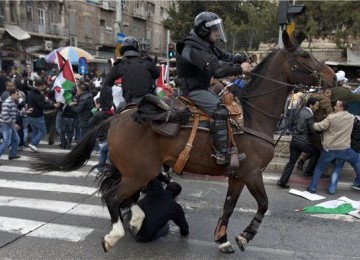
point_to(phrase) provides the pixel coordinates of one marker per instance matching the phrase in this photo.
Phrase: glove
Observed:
(227, 71)
(240, 58)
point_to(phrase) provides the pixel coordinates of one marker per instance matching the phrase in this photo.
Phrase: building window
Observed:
(29, 13)
(41, 17)
(162, 11)
(52, 17)
(150, 8)
(12, 11)
(2, 8)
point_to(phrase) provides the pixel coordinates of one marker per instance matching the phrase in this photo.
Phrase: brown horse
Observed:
(138, 152)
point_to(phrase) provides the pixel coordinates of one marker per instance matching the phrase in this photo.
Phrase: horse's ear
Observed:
(286, 40)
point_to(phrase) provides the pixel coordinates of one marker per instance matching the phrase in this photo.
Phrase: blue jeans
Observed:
(58, 121)
(10, 136)
(103, 149)
(38, 128)
(327, 156)
(67, 131)
(335, 175)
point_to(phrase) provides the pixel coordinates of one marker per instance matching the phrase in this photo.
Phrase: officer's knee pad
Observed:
(221, 112)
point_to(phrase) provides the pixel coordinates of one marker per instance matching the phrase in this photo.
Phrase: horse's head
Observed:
(304, 68)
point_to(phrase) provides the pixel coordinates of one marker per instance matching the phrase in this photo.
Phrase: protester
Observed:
(300, 142)
(337, 128)
(103, 110)
(159, 206)
(37, 101)
(83, 107)
(325, 108)
(9, 112)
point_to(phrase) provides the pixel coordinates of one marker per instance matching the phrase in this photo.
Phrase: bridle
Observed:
(296, 67)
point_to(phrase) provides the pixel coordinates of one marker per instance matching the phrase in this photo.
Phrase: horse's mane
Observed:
(260, 67)
(255, 81)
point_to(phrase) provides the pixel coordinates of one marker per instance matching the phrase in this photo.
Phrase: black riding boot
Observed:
(218, 130)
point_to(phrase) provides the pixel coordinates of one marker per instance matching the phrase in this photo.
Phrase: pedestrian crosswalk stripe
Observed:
(40, 186)
(55, 206)
(43, 230)
(25, 158)
(26, 170)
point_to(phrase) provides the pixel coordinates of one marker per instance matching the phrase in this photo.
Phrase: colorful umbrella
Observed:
(70, 53)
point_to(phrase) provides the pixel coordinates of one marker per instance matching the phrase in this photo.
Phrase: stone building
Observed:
(31, 29)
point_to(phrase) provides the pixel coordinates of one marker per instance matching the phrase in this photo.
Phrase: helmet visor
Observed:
(217, 25)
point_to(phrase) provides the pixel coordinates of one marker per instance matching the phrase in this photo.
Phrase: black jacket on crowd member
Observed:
(304, 126)
(83, 109)
(36, 100)
(355, 135)
(159, 206)
(138, 75)
(197, 60)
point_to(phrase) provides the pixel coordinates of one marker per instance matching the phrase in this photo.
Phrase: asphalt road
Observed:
(60, 216)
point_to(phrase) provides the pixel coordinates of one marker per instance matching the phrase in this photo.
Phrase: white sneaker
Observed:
(33, 148)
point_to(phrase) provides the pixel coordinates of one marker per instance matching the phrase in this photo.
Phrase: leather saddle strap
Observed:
(184, 155)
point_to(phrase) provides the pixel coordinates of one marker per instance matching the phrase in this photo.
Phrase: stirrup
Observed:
(242, 156)
(221, 158)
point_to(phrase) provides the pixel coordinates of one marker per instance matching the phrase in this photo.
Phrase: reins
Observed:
(294, 68)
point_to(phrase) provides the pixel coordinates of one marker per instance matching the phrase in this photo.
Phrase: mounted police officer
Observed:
(138, 74)
(197, 60)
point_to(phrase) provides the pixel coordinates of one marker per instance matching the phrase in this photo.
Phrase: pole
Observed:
(168, 58)
(280, 42)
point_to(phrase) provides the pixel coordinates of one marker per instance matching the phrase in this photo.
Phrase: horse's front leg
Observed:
(220, 236)
(257, 190)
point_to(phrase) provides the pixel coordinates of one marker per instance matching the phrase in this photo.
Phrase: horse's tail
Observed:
(78, 156)
(108, 181)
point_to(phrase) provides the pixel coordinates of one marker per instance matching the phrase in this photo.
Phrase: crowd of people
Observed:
(323, 131)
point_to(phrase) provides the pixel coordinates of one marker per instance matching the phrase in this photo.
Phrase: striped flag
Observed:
(342, 205)
(65, 79)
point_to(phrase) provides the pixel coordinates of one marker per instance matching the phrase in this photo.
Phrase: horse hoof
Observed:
(105, 245)
(241, 242)
(226, 248)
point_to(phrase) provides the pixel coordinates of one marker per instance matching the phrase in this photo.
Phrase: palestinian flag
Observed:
(65, 79)
(342, 205)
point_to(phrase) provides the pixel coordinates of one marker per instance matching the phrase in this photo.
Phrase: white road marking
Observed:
(55, 206)
(43, 230)
(25, 158)
(7, 168)
(40, 186)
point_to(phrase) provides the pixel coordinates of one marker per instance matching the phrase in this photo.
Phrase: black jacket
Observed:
(83, 109)
(159, 207)
(304, 126)
(138, 75)
(37, 101)
(197, 61)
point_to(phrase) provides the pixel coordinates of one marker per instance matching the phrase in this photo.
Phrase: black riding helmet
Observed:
(205, 22)
(129, 47)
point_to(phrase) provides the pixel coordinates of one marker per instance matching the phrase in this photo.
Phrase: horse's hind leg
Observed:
(113, 199)
(257, 189)
(220, 236)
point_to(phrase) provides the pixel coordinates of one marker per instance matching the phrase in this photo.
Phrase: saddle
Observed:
(166, 115)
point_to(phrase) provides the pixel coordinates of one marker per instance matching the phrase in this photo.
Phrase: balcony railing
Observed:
(50, 29)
